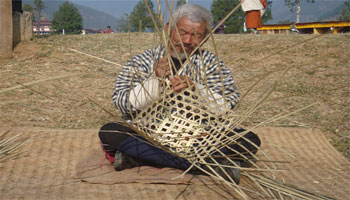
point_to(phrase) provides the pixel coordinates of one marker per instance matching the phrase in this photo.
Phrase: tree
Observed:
(296, 3)
(39, 6)
(268, 14)
(345, 13)
(220, 8)
(27, 8)
(67, 17)
(140, 18)
(180, 3)
(123, 24)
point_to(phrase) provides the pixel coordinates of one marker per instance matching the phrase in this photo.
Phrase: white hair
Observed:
(195, 13)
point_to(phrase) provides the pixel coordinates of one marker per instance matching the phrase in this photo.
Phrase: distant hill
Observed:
(310, 12)
(91, 18)
(332, 15)
(321, 10)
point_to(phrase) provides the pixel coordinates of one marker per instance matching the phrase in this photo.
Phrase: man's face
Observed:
(191, 35)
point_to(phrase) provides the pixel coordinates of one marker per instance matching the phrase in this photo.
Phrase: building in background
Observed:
(45, 27)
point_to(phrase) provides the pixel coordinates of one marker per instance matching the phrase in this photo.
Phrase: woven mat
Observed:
(46, 168)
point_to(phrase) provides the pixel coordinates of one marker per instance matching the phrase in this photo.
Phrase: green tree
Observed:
(268, 14)
(292, 4)
(140, 18)
(27, 8)
(67, 17)
(123, 24)
(345, 13)
(220, 8)
(180, 3)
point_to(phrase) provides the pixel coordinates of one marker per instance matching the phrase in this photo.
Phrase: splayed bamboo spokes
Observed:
(183, 123)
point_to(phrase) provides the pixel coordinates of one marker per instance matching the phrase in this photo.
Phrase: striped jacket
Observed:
(141, 68)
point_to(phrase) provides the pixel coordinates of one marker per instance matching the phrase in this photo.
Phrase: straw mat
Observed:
(54, 165)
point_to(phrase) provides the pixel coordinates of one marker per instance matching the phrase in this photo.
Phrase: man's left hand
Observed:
(181, 82)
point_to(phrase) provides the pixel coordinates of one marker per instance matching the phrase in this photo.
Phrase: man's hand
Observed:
(181, 82)
(162, 68)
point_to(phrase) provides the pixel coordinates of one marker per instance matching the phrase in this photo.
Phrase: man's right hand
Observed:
(162, 68)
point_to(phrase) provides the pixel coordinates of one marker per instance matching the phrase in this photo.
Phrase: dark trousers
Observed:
(113, 138)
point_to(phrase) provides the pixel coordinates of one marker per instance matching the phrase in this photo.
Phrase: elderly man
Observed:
(126, 151)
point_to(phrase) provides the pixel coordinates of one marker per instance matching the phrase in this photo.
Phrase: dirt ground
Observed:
(63, 86)
(47, 85)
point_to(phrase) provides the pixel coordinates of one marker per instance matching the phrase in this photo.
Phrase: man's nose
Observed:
(187, 39)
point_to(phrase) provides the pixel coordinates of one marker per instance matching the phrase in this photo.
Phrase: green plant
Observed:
(140, 18)
(345, 13)
(220, 8)
(67, 18)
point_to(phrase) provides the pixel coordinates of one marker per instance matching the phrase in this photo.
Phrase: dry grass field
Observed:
(46, 84)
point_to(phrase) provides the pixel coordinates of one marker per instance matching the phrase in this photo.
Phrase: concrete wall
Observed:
(5, 28)
(16, 28)
(27, 26)
(22, 27)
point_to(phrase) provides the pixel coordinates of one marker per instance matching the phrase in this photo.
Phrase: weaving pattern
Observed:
(182, 123)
